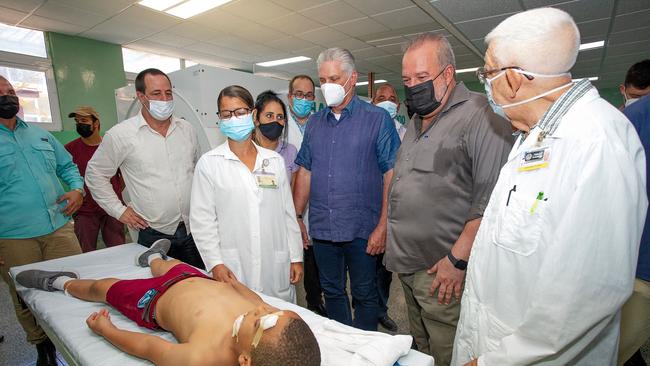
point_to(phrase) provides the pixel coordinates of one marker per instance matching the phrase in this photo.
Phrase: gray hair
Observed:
(543, 40)
(445, 52)
(338, 54)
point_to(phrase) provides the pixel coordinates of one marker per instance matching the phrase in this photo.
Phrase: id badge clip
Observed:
(535, 158)
(265, 179)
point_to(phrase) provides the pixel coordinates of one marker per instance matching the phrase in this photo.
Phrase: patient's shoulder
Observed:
(204, 354)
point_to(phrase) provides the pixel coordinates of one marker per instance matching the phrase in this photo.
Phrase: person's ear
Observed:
(513, 83)
(141, 97)
(353, 79)
(398, 106)
(255, 120)
(621, 88)
(449, 74)
(244, 359)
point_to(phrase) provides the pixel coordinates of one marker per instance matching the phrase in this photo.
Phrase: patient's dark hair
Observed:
(296, 346)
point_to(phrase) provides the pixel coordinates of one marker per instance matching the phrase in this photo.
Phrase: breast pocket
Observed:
(45, 153)
(7, 163)
(519, 227)
(422, 160)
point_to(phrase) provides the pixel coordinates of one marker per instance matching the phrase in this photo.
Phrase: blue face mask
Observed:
(389, 106)
(495, 107)
(237, 128)
(302, 107)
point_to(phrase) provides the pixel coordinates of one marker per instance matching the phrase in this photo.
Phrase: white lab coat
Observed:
(295, 137)
(251, 230)
(546, 288)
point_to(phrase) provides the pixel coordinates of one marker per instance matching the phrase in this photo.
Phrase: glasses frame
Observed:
(303, 95)
(482, 73)
(235, 112)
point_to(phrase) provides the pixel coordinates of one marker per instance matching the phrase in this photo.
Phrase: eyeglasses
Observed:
(482, 73)
(274, 117)
(239, 112)
(301, 95)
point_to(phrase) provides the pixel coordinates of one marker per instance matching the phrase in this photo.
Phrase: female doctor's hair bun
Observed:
(236, 91)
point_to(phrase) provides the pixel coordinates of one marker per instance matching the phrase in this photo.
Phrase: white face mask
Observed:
(161, 109)
(334, 93)
(523, 72)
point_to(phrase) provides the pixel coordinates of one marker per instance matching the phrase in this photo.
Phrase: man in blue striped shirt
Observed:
(35, 210)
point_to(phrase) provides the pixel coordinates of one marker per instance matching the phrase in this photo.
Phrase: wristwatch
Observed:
(81, 190)
(458, 263)
(299, 217)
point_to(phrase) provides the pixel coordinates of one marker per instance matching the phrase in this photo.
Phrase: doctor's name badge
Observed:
(534, 159)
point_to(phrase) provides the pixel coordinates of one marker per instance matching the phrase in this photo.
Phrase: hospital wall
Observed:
(86, 72)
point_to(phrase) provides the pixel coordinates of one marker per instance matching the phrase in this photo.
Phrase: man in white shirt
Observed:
(156, 154)
(554, 258)
(386, 97)
(301, 106)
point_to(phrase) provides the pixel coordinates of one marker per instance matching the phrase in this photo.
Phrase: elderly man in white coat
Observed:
(554, 259)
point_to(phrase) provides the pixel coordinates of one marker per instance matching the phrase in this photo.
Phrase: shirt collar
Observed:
(459, 95)
(551, 120)
(19, 123)
(224, 150)
(293, 118)
(141, 122)
(349, 108)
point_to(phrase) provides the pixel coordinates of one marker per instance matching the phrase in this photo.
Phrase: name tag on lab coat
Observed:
(266, 180)
(536, 158)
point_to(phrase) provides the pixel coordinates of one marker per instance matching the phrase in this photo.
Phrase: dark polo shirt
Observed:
(443, 177)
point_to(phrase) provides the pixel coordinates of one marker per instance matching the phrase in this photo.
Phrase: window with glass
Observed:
(136, 61)
(31, 88)
(22, 41)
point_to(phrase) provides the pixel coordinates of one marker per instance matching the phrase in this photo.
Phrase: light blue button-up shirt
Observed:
(31, 163)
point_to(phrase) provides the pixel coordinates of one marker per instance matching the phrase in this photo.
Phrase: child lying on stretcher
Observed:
(215, 323)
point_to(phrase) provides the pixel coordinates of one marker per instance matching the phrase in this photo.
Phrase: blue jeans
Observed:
(384, 278)
(334, 260)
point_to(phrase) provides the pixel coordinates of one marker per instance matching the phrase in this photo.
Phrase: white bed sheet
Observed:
(64, 318)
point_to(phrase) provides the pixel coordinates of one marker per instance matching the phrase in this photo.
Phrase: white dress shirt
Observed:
(547, 277)
(157, 170)
(251, 230)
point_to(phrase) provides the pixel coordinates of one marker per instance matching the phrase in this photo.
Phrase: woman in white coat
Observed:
(241, 212)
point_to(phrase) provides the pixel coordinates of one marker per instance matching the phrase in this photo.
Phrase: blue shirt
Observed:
(639, 114)
(31, 159)
(347, 159)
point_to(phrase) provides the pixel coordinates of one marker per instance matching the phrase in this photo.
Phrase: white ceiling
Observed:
(243, 32)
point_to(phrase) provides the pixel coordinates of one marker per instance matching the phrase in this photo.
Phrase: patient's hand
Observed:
(99, 322)
(223, 274)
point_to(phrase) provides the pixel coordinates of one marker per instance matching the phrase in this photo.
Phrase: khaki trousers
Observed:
(635, 321)
(432, 325)
(17, 252)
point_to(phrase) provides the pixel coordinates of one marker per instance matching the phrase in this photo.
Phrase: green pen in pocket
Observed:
(540, 196)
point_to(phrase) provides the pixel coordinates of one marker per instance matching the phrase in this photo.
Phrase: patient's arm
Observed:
(152, 348)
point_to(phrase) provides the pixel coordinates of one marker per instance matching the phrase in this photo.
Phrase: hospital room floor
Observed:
(15, 351)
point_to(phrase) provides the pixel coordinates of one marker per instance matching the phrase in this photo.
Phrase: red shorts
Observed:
(137, 299)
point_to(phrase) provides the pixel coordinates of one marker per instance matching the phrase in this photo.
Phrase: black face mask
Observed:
(421, 98)
(84, 130)
(8, 106)
(271, 131)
